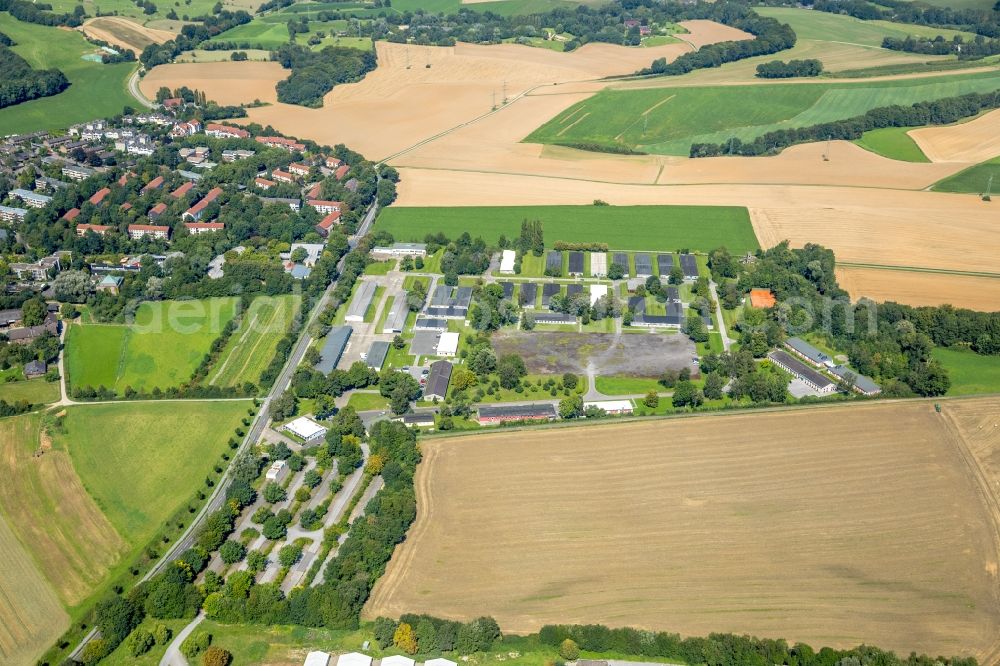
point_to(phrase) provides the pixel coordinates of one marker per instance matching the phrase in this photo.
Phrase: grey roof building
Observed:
(437, 380)
(574, 289)
(621, 259)
(862, 384)
(441, 295)
(376, 354)
(508, 289)
(576, 263)
(333, 348)
(395, 321)
(548, 317)
(529, 292)
(690, 266)
(536, 411)
(361, 302)
(430, 324)
(553, 261)
(549, 289)
(815, 380)
(643, 265)
(808, 352)
(665, 263)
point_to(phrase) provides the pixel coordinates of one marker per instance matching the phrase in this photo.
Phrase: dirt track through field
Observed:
(804, 525)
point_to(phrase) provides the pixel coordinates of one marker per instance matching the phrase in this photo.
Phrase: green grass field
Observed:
(969, 371)
(627, 385)
(161, 349)
(894, 143)
(823, 26)
(36, 391)
(652, 228)
(271, 31)
(972, 180)
(96, 90)
(160, 453)
(668, 120)
(252, 346)
(367, 401)
(190, 8)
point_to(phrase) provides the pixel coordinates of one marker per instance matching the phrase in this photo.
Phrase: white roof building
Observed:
(398, 659)
(597, 291)
(305, 428)
(440, 662)
(611, 406)
(354, 659)
(599, 264)
(316, 658)
(507, 261)
(448, 344)
(278, 471)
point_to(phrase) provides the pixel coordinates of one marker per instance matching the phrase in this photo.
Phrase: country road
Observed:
(133, 88)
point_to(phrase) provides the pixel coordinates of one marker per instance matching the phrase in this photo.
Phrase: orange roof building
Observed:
(762, 298)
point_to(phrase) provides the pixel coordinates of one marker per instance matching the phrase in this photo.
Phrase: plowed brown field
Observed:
(805, 525)
(917, 288)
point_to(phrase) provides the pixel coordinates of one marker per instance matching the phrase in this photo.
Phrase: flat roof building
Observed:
(508, 289)
(599, 264)
(576, 263)
(597, 291)
(437, 380)
(862, 384)
(621, 259)
(361, 302)
(354, 659)
(553, 262)
(277, 472)
(643, 265)
(376, 354)
(430, 324)
(611, 406)
(333, 348)
(448, 344)
(507, 258)
(529, 293)
(305, 428)
(549, 289)
(574, 289)
(665, 263)
(536, 411)
(401, 250)
(690, 266)
(416, 420)
(316, 658)
(549, 317)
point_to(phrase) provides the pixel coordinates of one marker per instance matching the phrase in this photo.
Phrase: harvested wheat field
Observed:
(866, 226)
(972, 142)
(123, 32)
(701, 32)
(918, 288)
(804, 525)
(46, 505)
(224, 82)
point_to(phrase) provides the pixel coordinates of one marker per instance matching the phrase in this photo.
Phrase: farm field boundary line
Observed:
(665, 186)
(919, 269)
(438, 434)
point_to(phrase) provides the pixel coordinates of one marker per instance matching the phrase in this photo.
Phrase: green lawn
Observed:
(36, 391)
(140, 461)
(651, 228)
(380, 267)
(668, 120)
(970, 372)
(894, 143)
(251, 348)
(96, 90)
(160, 349)
(627, 385)
(972, 180)
(271, 31)
(367, 401)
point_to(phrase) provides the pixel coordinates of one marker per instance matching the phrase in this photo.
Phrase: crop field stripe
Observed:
(570, 126)
(651, 228)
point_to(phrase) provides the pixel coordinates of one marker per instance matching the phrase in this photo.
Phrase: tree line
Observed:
(965, 50)
(776, 69)
(315, 73)
(21, 82)
(980, 21)
(723, 649)
(192, 35)
(936, 112)
(41, 13)
(770, 36)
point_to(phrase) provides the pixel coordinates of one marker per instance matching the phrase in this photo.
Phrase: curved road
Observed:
(133, 88)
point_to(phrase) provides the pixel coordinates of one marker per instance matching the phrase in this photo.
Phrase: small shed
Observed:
(398, 660)
(354, 659)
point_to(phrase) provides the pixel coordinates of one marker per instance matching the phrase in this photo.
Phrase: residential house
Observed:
(139, 231)
(282, 176)
(325, 207)
(341, 171)
(198, 228)
(12, 213)
(438, 379)
(182, 190)
(299, 169)
(77, 172)
(225, 131)
(29, 198)
(156, 211)
(154, 184)
(263, 183)
(28, 334)
(110, 284)
(196, 211)
(71, 214)
(98, 198)
(186, 129)
(400, 250)
(234, 155)
(33, 369)
(99, 229)
(327, 223)
(281, 142)
(496, 414)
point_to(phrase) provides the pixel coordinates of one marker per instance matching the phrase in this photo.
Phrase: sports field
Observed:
(160, 453)
(160, 349)
(667, 228)
(668, 120)
(973, 180)
(894, 143)
(96, 90)
(252, 346)
(781, 524)
(970, 372)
